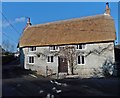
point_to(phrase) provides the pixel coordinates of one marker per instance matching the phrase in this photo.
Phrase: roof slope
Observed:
(79, 30)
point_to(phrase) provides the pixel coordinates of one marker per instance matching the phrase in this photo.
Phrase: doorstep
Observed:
(72, 76)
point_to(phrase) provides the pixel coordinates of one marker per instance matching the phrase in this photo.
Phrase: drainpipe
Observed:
(46, 71)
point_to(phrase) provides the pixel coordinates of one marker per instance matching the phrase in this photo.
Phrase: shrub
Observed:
(7, 58)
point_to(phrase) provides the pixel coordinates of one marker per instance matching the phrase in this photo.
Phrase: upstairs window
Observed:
(50, 59)
(53, 48)
(81, 60)
(32, 49)
(31, 60)
(81, 46)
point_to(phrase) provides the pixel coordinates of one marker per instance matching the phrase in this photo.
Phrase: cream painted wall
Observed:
(92, 61)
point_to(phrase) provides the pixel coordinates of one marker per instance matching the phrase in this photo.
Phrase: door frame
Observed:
(62, 70)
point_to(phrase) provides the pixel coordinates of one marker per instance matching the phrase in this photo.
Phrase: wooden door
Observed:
(63, 65)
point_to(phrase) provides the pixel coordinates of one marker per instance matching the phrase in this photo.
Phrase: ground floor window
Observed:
(50, 59)
(31, 60)
(81, 59)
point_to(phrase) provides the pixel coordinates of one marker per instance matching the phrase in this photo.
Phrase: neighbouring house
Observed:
(81, 46)
(16, 54)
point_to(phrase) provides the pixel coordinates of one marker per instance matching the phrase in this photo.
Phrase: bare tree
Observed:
(109, 63)
(70, 53)
(12, 47)
(108, 67)
(99, 50)
(8, 46)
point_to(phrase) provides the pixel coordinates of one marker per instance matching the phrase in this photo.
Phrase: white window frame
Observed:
(50, 59)
(81, 60)
(82, 45)
(33, 50)
(51, 48)
(29, 60)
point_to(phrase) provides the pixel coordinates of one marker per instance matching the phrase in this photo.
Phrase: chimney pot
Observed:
(28, 20)
(107, 10)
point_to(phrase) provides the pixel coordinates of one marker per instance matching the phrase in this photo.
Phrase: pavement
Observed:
(20, 82)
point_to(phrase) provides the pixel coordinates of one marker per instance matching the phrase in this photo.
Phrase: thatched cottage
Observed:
(81, 46)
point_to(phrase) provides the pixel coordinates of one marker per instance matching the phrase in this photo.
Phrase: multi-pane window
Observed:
(81, 46)
(81, 59)
(32, 49)
(53, 48)
(31, 60)
(50, 59)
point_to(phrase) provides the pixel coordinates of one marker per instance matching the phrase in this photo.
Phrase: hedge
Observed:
(7, 58)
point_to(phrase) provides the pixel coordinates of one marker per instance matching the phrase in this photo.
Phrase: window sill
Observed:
(80, 64)
(54, 50)
(31, 63)
(49, 62)
(32, 51)
(80, 49)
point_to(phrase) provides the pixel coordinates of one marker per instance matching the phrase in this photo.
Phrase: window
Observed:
(53, 48)
(81, 59)
(31, 60)
(50, 59)
(32, 49)
(81, 46)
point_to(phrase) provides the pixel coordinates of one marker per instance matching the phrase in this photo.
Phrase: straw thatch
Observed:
(80, 30)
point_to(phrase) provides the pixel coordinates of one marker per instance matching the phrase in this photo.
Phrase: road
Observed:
(19, 82)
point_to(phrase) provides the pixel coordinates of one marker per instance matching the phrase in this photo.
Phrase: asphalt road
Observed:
(19, 82)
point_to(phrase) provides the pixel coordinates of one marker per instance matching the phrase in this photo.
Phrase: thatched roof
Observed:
(79, 30)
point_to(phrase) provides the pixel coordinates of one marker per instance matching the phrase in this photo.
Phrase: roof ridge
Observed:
(70, 31)
(72, 19)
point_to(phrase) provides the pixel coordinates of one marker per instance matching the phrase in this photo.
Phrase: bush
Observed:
(106, 73)
(7, 58)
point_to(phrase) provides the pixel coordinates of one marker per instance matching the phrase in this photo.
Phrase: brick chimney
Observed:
(107, 10)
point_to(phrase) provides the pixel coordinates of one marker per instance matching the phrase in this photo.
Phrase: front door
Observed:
(63, 65)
